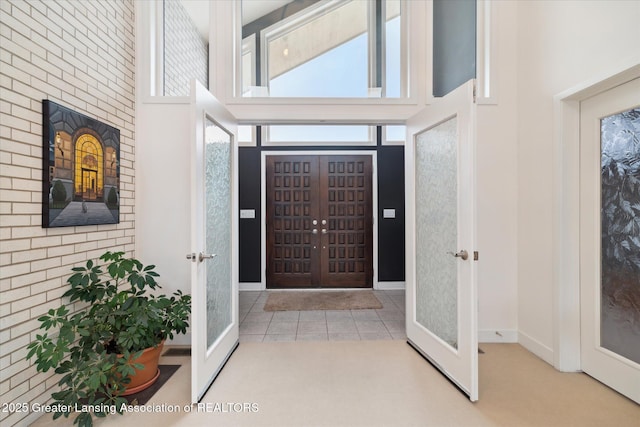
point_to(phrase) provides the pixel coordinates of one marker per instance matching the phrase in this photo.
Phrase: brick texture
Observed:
(79, 54)
(185, 53)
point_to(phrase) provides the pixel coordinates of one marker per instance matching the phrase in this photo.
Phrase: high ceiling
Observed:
(251, 10)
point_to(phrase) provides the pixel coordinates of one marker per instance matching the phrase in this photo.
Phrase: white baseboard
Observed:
(389, 286)
(498, 336)
(536, 347)
(251, 286)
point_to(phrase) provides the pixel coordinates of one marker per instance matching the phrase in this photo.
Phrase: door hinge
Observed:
(475, 255)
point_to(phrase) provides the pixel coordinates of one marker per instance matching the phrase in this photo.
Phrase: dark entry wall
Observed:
(249, 183)
(391, 196)
(390, 169)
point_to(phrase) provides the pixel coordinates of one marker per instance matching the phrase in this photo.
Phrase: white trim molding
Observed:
(497, 336)
(565, 355)
(251, 286)
(389, 286)
(487, 52)
(536, 347)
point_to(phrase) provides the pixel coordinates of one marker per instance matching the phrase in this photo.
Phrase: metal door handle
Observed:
(462, 254)
(314, 231)
(204, 256)
(324, 231)
(324, 222)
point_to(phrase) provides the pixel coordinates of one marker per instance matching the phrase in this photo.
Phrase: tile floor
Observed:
(257, 325)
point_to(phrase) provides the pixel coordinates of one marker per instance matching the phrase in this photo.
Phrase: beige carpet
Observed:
(377, 384)
(329, 300)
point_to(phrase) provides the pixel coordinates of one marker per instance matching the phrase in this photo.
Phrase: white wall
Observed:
(163, 198)
(560, 45)
(498, 193)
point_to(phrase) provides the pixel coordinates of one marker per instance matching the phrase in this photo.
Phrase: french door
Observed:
(319, 221)
(214, 289)
(441, 287)
(610, 238)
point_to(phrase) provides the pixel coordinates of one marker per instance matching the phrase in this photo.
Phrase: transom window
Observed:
(329, 49)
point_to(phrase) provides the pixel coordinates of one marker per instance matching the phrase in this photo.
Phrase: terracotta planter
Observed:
(149, 374)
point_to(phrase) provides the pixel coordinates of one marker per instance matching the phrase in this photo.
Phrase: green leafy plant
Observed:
(96, 347)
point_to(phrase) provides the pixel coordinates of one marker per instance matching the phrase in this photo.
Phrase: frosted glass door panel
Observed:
(437, 231)
(620, 225)
(217, 157)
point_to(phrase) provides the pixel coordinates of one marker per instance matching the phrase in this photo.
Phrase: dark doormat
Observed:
(327, 300)
(177, 351)
(141, 398)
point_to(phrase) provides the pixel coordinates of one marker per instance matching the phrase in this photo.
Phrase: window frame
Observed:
(227, 41)
(376, 77)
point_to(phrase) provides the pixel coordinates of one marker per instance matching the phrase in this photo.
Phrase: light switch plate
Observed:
(388, 213)
(247, 213)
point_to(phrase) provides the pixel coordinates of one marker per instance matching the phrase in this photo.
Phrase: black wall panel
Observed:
(390, 196)
(391, 230)
(249, 229)
(454, 44)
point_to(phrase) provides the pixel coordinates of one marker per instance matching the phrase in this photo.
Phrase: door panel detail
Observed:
(319, 221)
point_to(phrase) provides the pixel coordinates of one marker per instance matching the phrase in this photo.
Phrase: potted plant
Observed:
(109, 322)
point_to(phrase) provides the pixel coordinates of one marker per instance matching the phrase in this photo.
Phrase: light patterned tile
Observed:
(364, 315)
(286, 316)
(276, 327)
(312, 327)
(370, 326)
(279, 337)
(253, 328)
(395, 325)
(336, 315)
(251, 338)
(258, 317)
(342, 327)
(312, 315)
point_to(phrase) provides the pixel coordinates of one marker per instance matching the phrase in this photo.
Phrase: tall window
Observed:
(332, 48)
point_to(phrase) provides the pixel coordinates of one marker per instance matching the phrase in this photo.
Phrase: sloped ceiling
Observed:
(251, 10)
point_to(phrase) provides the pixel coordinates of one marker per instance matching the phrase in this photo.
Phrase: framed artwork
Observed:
(80, 169)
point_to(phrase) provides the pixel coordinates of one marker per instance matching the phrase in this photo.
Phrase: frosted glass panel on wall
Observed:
(436, 231)
(620, 230)
(218, 229)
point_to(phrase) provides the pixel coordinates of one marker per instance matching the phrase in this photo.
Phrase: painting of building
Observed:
(81, 184)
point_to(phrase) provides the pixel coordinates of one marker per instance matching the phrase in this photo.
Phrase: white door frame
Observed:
(263, 194)
(566, 211)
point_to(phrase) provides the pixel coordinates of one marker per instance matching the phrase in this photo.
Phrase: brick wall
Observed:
(186, 55)
(79, 54)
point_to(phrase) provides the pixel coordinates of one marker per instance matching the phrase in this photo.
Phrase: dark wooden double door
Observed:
(319, 221)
